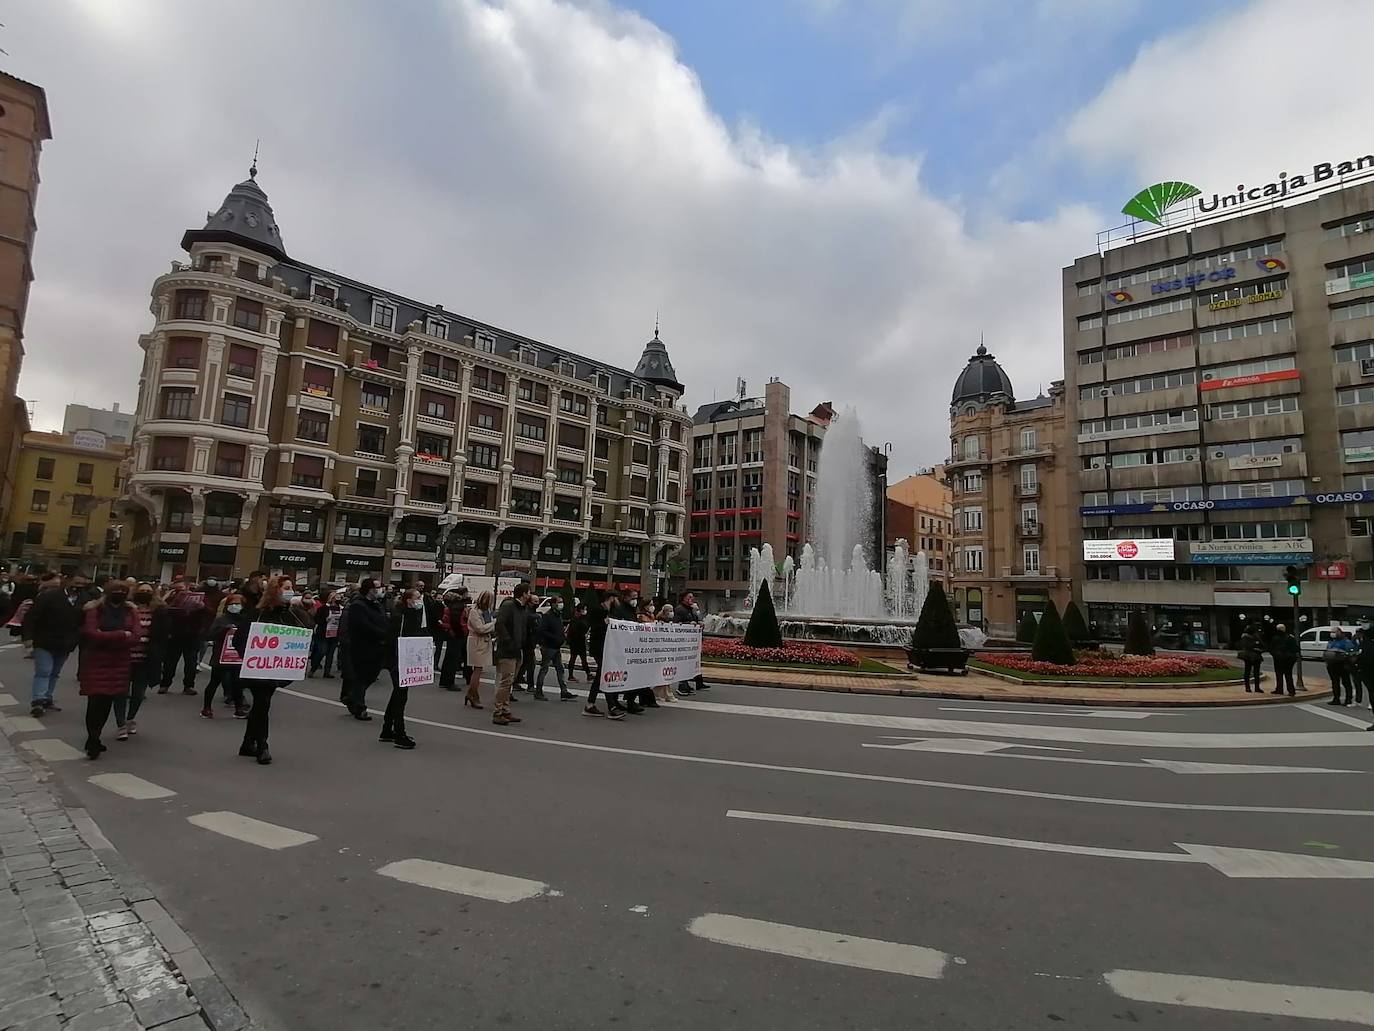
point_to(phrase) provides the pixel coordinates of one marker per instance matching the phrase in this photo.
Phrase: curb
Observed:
(205, 1001)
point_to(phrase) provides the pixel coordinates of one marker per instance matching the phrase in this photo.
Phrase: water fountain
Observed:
(831, 593)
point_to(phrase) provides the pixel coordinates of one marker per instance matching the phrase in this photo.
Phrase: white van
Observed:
(1313, 642)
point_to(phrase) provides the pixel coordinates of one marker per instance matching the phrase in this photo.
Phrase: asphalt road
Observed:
(746, 862)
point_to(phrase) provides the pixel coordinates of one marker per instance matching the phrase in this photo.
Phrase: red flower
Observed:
(807, 653)
(1096, 664)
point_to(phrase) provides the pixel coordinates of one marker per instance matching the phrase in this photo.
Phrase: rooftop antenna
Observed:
(253, 168)
(741, 387)
(655, 323)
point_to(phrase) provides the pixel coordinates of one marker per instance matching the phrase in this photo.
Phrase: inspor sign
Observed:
(1144, 549)
(276, 651)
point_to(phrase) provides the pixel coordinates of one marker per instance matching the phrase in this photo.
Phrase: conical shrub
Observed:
(935, 627)
(1074, 624)
(1027, 628)
(1138, 635)
(1051, 642)
(763, 630)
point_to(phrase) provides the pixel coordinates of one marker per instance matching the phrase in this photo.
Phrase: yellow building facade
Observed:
(63, 516)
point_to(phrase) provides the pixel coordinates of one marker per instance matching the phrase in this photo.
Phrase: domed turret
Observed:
(245, 218)
(655, 365)
(982, 379)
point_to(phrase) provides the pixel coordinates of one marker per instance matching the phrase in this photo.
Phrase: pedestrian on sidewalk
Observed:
(408, 619)
(145, 656)
(1339, 658)
(512, 634)
(687, 611)
(105, 663)
(365, 647)
(273, 607)
(21, 600)
(1286, 651)
(225, 662)
(52, 623)
(1250, 651)
(549, 634)
(481, 622)
(577, 643)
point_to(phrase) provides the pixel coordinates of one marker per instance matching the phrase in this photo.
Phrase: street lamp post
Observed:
(92, 499)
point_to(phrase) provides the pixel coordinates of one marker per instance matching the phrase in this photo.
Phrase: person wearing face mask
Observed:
(146, 657)
(366, 646)
(273, 607)
(549, 633)
(409, 619)
(53, 625)
(109, 628)
(225, 662)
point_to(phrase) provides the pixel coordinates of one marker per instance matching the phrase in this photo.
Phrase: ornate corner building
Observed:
(295, 420)
(1012, 531)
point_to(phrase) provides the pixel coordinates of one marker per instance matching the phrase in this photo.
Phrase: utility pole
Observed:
(1294, 578)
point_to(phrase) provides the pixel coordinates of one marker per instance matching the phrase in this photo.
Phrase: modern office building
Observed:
(1221, 381)
(116, 425)
(753, 476)
(24, 126)
(920, 509)
(1006, 472)
(65, 511)
(296, 420)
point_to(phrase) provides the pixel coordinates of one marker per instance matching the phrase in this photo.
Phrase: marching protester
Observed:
(481, 630)
(577, 642)
(688, 612)
(512, 636)
(51, 624)
(408, 620)
(666, 692)
(1364, 664)
(524, 676)
(455, 621)
(104, 669)
(646, 697)
(1286, 651)
(367, 647)
(186, 626)
(21, 599)
(324, 646)
(274, 606)
(549, 634)
(145, 658)
(1250, 651)
(596, 636)
(225, 663)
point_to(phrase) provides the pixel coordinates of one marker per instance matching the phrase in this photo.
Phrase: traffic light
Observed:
(1290, 573)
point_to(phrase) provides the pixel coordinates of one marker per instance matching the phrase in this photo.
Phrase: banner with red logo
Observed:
(1332, 571)
(1246, 381)
(1141, 549)
(642, 655)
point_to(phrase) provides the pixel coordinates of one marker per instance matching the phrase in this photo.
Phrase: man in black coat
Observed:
(364, 646)
(52, 623)
(1286, 651)
(686, 611)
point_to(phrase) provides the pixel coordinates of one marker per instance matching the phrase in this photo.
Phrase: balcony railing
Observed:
(1028, 490)
(1029, 529)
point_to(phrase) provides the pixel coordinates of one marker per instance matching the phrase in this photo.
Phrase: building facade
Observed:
(920, 509)
(295, 420)
(1221, 380)
(116, 425)
(24, 127)
(64, 515)
(1012, 530)
(754, 468)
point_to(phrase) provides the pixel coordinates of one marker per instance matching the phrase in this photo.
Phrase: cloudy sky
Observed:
(841, 193)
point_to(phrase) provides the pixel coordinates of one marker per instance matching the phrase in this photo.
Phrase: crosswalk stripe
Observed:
(8, 699)
(462, 880)
(255, 832)
(51, 749)
(1332, 714)
(845, 950)
(1216, 993)
(129, 786)
(20, 724)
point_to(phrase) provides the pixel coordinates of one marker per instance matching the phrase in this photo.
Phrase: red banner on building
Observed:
(1247, 381)
(1332, 570)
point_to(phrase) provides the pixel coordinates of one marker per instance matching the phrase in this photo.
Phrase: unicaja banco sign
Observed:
(1151, 203)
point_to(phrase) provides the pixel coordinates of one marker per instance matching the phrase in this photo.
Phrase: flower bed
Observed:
(1094, 664)
(799, 653)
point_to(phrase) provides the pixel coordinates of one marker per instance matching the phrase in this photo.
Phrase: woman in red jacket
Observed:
(109, 630)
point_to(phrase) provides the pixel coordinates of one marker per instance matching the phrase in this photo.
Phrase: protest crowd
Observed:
(255, 636)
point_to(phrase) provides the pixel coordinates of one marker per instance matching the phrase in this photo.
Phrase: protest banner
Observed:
(276, 652)
(642, 655)
(228, 654)
(415, 660)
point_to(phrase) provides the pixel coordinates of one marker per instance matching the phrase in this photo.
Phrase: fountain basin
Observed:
(835, 629)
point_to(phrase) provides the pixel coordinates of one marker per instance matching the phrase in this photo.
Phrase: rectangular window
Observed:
(183, 353)
(1355, 396)
(431, 489)
(243, 361)
(572, 436)
(525, 502)
(727, 448)
(372, 439)
(1030, 558)
(176, 403)
(229, 459)
(1144, 311)
(383, 315)
(322, 292)
(1139, 385)
(308, 471)
(1241, 330)
(433, 444)
(367, 484)
(190, 304)
(973, 482)
(603, 382)
(45, 468)
(435, 328)
(1254, 409)
(76, 535)
(169, 453)
(248, 314)
(484, 456)
(317, 380)
(528, 464)
(973, 517)
(376, 397)
(222, 514)
(436, 406)
(530, 428)
(249, 270)
(85, 473)
(236, 410)
(574, 403)
(1027, 439)
(312, 426)
(753, 445)
(1030, 515)
(484, 342)
(34, 534)
(485, 417)
(972, 559)
(1351, 227)
(322, 336)
(39, 502)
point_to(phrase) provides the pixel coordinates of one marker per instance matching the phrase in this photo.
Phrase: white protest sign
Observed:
(641, 655)
(276, 652)
(415, 660)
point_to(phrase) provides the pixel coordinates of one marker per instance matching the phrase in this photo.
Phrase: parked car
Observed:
(1313, 642)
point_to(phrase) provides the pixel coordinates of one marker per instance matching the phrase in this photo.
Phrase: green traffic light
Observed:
(1294, 590)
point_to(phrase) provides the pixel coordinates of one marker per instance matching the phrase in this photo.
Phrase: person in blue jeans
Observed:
(52, 624)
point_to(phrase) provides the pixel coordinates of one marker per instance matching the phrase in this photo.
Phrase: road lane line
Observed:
(846, 950)
(8, 699)
(1320, 709)
(870, 778)
(998, 750)
(1245, 863)
(128, 786)
(462, 880)
(255, 832)
(20, 724)
(1216, 993)
(52, 750)
(1031, 732)
(1096, 714)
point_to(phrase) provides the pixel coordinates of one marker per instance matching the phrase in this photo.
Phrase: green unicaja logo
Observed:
(1150, 204)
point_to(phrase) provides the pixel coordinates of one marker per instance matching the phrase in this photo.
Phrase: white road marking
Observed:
(1232, 862)
(1030, 732)
(8, 699)
(846, 950)
(21, 724)
(870, 778)
(1333, 713)
(52, 750)
(641, 910)
(255, 832)
(1216, 993)
(129, 786)
(1059, 711)
(462, 880)
(999, 750)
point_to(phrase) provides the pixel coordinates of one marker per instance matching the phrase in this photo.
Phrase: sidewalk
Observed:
(84, 946)
(983, 688)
